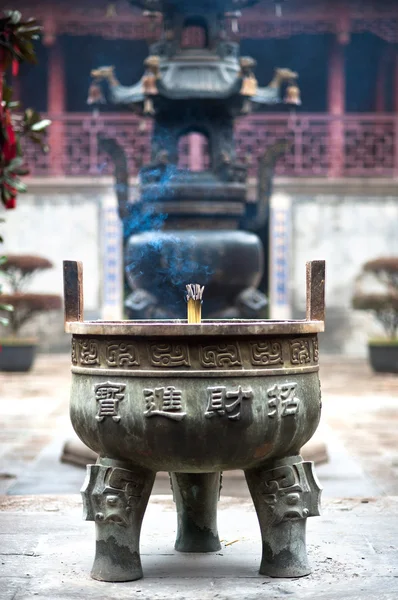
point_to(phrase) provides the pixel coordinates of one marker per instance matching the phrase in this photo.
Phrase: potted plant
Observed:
(383, 351)
(17, 352)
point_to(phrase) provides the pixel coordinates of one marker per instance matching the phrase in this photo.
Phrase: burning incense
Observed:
(194, 301)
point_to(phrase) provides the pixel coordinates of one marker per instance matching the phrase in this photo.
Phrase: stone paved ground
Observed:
(361, 407)
(46, 552)
(360, 415)
(33, 408)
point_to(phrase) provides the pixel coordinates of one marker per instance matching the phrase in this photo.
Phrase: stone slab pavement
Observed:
(359, 426)
(46, 553)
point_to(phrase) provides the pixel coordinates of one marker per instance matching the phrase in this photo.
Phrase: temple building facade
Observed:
(335, 192)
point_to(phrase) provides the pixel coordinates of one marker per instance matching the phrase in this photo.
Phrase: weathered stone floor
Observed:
(46, 553)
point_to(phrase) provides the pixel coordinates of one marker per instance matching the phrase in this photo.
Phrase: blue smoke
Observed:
(162, 261)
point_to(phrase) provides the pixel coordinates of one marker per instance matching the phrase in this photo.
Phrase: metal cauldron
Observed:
(196, 400)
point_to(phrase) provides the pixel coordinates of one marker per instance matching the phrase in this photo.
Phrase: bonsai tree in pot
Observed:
(383, 352)
(17, 352)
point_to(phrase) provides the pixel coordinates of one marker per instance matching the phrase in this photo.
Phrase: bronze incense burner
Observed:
(196, 400)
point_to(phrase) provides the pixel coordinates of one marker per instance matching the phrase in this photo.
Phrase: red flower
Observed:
(12, 202)
(10, 151)
(9, 143)
(15, 66)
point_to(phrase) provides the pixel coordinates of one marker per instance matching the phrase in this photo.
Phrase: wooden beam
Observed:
(395, 82)
(336, 107)
(56, 104)
(380, 100)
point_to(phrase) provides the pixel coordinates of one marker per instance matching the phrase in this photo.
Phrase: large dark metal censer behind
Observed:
(202, 223)
(195, 400)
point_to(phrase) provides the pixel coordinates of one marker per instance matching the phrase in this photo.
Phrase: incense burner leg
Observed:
(115, 496)
(196, 496)
(285, 492)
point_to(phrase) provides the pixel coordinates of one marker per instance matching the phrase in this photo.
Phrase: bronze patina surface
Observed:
(171, 398)
(195, 400)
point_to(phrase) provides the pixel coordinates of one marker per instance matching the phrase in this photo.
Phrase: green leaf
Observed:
(41, 125)
(16, 184)
(15, 163)
(37, 138)
(14, 16)
(21, 172)
(10, 180)
(7, 94)
(7, 307)
(25, 28)
(4, 321)
(20, 186)
(16, 53)
(6, 194)
(29, 112)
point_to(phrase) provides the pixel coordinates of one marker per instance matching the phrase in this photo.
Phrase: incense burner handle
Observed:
(73, 290)
(315, 290)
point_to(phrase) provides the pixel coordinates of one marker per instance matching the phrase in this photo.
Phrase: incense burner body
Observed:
(195, 403)
(194, 400)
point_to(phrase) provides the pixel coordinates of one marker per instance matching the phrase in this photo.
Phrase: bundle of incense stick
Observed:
(194, 302)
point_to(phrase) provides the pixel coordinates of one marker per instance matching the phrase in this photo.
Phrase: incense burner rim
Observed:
(180, 327)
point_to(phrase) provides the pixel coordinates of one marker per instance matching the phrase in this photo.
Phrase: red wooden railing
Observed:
(356, 145)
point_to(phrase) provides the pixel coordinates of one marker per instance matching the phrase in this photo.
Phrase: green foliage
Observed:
(387, 264)
(17, 36)
(17, 269)
(383, 342)
(376, 302)
(16, 45)
(34, 127)
(28, 124)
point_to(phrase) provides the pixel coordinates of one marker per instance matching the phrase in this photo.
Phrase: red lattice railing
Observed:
(321, 145)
